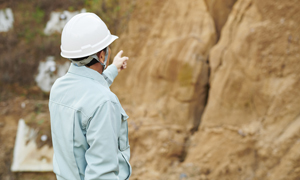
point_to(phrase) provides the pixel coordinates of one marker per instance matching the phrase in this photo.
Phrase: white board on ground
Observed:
(27, 157)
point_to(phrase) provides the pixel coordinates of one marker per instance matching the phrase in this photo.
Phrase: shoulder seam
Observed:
(69, 107)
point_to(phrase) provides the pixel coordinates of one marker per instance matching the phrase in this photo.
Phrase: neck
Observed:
(97, 67)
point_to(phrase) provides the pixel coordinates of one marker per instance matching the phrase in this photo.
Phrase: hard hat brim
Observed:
(88, 49)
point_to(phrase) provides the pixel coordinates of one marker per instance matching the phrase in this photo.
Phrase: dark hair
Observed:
(94, 61)
(79, 59)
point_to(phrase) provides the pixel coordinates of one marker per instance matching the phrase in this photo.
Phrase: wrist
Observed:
(115, 64)
(115, 67)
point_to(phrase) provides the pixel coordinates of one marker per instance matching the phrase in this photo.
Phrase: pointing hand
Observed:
(120, 62)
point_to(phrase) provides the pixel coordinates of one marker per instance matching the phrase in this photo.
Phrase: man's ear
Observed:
(101, 56)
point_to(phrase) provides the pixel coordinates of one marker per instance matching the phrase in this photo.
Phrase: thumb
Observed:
(119, 54)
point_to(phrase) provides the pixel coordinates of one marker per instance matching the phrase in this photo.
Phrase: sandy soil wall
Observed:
(250, 126)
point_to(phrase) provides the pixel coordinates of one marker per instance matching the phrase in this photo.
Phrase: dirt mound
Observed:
(35, 113)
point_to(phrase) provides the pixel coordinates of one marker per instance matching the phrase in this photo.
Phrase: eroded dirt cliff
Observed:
(251, 125)
(165, 88)
(250, 128)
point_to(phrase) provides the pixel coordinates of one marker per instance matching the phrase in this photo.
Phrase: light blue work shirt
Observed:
(89, 127)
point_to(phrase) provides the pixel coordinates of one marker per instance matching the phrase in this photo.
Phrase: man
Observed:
(88, 124)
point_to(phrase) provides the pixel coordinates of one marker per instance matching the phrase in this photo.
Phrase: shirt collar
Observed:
(88, 73)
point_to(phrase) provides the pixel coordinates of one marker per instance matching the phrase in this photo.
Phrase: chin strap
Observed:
(105, 59)
(90, 58)
(84, 61)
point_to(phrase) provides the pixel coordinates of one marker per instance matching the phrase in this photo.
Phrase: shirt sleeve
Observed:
(102, 154)
(110, 73)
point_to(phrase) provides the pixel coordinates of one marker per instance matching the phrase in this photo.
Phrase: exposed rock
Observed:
(219, 10)
(6, 19)
(49, 71)
(255, 92)
(164, 89)
(58, 20)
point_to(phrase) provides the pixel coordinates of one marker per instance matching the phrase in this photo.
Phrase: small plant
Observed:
(38, 15)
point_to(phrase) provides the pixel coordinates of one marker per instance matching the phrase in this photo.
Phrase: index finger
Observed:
(120, 53)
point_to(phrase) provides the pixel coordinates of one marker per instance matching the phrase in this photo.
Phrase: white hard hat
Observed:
(85, 34)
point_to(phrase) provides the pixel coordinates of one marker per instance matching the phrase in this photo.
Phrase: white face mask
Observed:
(105, 58)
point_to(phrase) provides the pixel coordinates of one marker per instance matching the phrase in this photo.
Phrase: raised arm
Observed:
(110, 73)
(119, 64)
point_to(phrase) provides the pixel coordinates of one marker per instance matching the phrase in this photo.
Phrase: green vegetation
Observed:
(38, 15)
(26, 45)
(113, 12)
